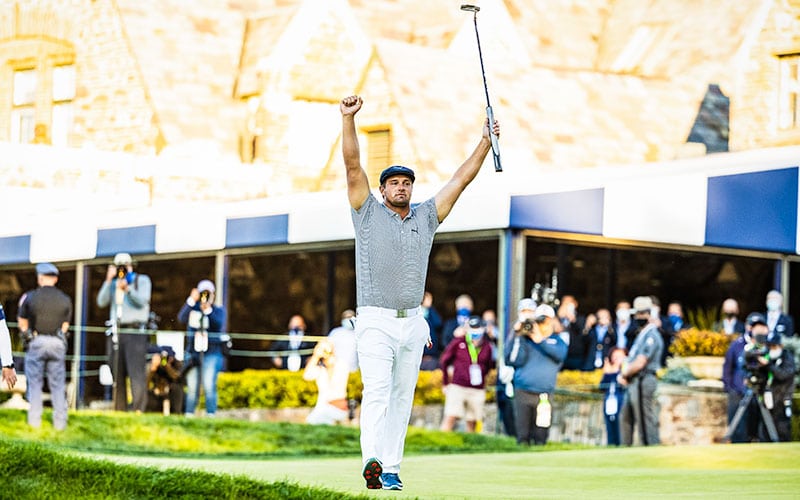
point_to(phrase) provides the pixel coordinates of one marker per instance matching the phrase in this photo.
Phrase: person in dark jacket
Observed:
(536, 354)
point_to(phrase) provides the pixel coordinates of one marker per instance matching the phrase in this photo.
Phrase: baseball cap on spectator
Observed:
(755, 318)
(47, 269)
(544, 311)
(526, 304)
(206, 286)
(123, 259)
(475, 322)
(642, 304)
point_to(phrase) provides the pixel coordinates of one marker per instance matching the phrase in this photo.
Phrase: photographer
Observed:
(536, 354)
(771, 370)
(331, 375)
(206, 345)
(735, 381)
(164, 385)
(127, 293)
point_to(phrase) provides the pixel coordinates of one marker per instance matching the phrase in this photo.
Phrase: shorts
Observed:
(464, 402)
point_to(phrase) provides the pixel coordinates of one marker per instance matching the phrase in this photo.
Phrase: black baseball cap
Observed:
(396, 170)
(755, 318)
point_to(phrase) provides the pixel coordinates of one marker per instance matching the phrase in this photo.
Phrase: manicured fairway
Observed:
(714, 471)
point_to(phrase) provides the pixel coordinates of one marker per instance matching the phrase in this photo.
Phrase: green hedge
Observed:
(284, 389)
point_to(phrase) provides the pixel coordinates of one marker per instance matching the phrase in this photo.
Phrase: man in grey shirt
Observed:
(128, 294)
(641, 408)
(393, 243)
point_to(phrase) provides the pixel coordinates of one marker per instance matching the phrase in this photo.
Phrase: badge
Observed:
(475, 375)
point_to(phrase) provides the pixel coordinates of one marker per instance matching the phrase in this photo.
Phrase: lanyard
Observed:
(473, 353)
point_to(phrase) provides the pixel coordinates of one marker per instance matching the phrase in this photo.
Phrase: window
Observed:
(63, 95)
(789, 92)
(379, 151)
(23, 112)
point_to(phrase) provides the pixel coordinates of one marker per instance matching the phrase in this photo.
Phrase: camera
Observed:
(527, 326)
(204, 295)
(121, 272)
(757, 374)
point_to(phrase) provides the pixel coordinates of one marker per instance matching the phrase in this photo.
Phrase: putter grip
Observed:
(495, 143)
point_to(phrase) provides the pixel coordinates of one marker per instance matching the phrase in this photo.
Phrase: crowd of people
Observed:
(629, 346)
(143, 376)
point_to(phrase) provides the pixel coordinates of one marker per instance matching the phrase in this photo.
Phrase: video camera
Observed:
(542, 294)
(757, 374)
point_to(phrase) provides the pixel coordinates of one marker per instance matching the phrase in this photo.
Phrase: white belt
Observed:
(394, 313)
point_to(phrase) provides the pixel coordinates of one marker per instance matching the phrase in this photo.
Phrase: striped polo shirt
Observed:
(392, 253)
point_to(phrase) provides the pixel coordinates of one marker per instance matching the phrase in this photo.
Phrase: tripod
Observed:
(766, 417)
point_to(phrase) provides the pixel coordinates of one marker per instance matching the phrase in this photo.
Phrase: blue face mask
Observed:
(463, 312)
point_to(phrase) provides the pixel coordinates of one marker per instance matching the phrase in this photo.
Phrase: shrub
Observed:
(285, 389)
(694, 342)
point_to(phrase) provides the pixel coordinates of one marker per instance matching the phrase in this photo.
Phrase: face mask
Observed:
(641, 322)
(463, 312)
(775, 353)
(730, 315)
(655, 312)
(773, 305)
(623, 314)
(349, 323)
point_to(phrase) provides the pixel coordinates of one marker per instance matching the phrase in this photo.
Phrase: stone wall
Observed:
(688, 416)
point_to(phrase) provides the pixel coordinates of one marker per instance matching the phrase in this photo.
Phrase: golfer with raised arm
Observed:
(393, 243)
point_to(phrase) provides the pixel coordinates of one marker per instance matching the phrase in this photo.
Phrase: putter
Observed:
(489, 114)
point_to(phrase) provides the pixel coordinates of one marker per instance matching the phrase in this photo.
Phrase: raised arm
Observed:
(447, 196)
(357, 181)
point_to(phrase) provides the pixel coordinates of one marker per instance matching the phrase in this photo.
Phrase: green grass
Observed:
(120, 455)
(116, 432)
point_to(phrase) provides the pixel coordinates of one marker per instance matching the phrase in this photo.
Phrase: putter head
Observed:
(470, 8)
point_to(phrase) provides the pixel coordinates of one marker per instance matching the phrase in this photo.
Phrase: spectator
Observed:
(164, 381)
(730, 322)
(676, 322)
(454, 327)
(128, 294)
(536, 354)
(430, 356)
(782, 369)
(526, 312)
(573, 325)
(43, 322)
(601, 338)
(6, 354)
(292, 354)
(613, 394)
(778, 322)
(330, 374)
(638, 373)
(734, 380)
(343, 339)
(624, 327)
(471, 358)
(205, 346)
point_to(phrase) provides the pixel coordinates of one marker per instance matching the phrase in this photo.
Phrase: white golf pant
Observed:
(389, 355)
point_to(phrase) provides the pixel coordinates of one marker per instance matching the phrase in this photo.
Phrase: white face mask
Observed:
(349, 323)
(773, 305)
(623, 314)
(775, 352)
